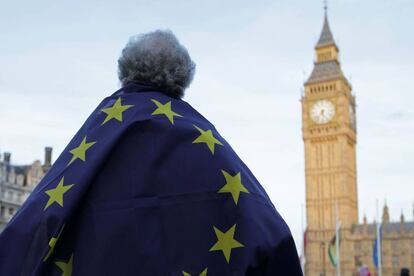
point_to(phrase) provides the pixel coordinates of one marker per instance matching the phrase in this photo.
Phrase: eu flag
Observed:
(377, 248)
(147, 186)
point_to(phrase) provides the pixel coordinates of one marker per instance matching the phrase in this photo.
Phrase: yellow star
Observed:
(207, 137)
(166, 110)
(52, 244)
(80, 151)
(233, 185)
(66, 267)
(226, 242)
(115, 111)
(56, 194)
(203, 273)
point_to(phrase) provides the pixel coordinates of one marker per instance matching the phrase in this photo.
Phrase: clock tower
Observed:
(329, 136)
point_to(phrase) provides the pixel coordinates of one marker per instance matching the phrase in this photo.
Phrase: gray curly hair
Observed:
(157, 59)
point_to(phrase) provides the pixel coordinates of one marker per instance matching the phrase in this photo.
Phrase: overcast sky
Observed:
(58, 60)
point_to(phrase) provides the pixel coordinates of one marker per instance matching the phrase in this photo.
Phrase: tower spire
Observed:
(326, 37)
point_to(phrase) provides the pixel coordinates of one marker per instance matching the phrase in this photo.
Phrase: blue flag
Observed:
(375, 256)
(148, 186)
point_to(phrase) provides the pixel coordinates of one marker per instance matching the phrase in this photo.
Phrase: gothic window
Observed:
(12, 177)
(395, 261)
(358, 261)
(394, 245)
(19, 179)
(357, 245)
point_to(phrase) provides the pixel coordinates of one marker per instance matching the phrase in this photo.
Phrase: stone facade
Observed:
(397, 245)
(330, 136)
(17, 182)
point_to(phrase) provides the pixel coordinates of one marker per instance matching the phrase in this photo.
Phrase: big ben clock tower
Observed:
(329, 136)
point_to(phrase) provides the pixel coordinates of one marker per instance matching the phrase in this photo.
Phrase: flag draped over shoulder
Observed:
(147, 186)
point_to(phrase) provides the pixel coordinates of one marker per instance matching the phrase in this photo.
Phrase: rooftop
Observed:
(325, 71)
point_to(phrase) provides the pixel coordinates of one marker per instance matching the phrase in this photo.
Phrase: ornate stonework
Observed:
(330, 136)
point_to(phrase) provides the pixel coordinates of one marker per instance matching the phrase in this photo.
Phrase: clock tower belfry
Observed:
(329, 135)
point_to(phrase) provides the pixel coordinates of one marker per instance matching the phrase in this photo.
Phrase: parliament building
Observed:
(330, 135)
(17, 182)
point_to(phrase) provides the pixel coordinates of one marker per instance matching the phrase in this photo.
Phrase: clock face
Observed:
(322, 111)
